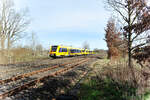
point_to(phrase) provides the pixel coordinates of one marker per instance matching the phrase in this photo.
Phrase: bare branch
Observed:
(137, 46)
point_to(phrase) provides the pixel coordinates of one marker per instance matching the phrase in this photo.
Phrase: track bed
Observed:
(30, 77)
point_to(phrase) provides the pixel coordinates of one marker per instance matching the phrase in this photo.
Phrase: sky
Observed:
(67, 22)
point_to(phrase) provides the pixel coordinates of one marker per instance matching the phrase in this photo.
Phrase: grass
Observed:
(89, 92)
(21, 55)
(147, 96)
(106, 90)
(109, 83)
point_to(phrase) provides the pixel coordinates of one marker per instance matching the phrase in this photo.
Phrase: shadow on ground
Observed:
(52, 88)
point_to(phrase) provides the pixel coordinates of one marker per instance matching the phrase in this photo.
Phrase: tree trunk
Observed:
(129, 53)
(8, 49)
(130, 46)
(130, 58)
(2, 43)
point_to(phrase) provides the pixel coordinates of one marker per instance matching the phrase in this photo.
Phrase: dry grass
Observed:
(115, 81)
(20, 55)
(123, 74)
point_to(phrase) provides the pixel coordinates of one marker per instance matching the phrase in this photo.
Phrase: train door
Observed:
(69, 52)
(64, 50)
(60, 51)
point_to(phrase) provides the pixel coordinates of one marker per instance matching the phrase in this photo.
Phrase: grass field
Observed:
(112, 82)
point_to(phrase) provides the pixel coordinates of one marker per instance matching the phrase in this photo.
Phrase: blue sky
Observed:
(67, 22)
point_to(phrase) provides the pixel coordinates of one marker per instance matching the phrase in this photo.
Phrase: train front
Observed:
(53, 51)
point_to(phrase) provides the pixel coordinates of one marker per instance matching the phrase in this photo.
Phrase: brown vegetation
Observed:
(120, 76)
(116, 45)
(142, 55)
(135, 16)
(21, 54)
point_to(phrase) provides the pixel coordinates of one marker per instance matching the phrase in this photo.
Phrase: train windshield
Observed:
(54, 48)
(72, 50)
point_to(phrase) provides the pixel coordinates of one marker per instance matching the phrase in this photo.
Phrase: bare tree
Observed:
(39, 49)
(12, 23)
(33, 43)
(86, 45)
(135, 16)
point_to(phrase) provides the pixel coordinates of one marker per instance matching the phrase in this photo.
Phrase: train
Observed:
(64, 51)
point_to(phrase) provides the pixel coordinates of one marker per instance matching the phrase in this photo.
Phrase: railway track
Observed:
(28, 63)
(18, 83)
(25, 63)
(33, 72)
(17, 70)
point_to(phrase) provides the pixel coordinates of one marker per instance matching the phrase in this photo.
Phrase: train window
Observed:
(76, 51)
(79, 51)
(60, 50)
(64, 49)
(72, 50)
(54, 48)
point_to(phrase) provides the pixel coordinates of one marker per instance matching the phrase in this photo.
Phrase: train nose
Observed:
(52, 54)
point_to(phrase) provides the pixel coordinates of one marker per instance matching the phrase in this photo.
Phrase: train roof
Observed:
(70, 47)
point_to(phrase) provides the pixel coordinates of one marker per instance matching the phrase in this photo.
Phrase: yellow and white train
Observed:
(60, 51)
